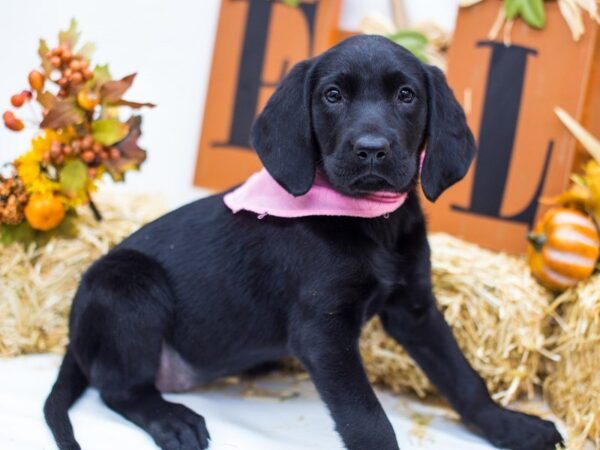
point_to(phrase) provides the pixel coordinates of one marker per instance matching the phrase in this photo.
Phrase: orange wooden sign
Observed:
(257, 42)
(509, 94)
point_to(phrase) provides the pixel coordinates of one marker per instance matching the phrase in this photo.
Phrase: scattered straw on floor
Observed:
(572, 387)
(496, 311)
(37, 283)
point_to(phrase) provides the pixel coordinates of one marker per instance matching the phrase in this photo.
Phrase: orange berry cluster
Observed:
(91, 152)
(74, 69)
(13, 199)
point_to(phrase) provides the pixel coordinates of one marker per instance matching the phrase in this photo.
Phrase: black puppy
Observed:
(202, 293)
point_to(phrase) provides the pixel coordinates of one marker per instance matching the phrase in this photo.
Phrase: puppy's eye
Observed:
(406, 95)
(333, 95)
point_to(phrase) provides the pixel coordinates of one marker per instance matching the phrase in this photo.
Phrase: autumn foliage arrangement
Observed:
(80, 137)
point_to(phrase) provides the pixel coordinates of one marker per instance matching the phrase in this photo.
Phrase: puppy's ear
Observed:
(450, 143)
(282, 134)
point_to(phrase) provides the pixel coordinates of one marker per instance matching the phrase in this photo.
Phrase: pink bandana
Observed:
(264, 196)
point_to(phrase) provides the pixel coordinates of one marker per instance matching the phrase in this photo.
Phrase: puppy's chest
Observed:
(387, 269)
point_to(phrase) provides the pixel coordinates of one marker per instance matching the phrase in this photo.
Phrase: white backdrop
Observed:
(169, 43)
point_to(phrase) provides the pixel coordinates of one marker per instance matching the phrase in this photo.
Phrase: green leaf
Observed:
(112, 91)
(67, 228)
(64, 113)
(532, 11)
(73, 177)
(101, 74)
(87, 50)
(292, 3)
(411, 37)
(17, 233)
(42, 52)
(70, 36)
(109, 131)
(414, 41)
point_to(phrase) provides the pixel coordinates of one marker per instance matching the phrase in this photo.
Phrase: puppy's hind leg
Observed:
(121, 315)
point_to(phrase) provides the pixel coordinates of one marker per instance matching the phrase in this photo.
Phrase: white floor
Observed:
(281, 414)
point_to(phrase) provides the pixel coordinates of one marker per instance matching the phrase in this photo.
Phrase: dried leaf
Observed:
(132, 156)
(109, 131)
(591, 6)
(42, 52)
(63, 113)
(70, 36)
(112, 91)
(467, 3)
(572, 15)
(73, 177)
(589, 142)
(47, 100)
(134, 105)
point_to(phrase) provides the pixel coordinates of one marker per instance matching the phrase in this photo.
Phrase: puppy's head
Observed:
(361, 113)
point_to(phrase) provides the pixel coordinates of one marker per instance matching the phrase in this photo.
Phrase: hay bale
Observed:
(38, 283)
(572, 387)
(496, 310)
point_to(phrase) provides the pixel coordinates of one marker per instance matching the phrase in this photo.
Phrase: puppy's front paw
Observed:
(517, 431)
(180, 429)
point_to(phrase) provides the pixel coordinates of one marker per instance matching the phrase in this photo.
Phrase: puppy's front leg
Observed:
(415, 322)
(328, 348)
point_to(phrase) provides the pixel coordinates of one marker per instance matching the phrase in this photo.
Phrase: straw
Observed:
(572, 387)
(38, 282)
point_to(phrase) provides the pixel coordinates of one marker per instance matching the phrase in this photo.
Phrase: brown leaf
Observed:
(134, 105)
(62, 114)
(132, 156)
(46, 99)
(112, 91)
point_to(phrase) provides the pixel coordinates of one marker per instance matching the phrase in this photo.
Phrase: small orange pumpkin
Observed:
(44, 212)
(564, 248)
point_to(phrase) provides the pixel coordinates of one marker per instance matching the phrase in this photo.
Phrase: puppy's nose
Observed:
(370, 148)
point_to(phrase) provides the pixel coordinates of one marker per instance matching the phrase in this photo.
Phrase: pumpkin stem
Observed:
(536, 240)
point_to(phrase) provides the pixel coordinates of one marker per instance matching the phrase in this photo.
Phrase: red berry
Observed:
(88, 157)
(67, 55)
(115, 154)
(76, 78)
(11, 122)
(17, 100)
(87, 142)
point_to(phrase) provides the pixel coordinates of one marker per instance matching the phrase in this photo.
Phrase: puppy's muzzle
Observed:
(371, 149)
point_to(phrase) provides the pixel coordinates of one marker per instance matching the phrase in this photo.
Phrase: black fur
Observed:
(229, 292)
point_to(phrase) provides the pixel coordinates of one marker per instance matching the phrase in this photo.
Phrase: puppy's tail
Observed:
(69, 386)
